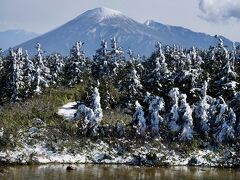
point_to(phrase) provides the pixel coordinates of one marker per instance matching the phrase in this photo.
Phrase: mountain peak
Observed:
(102, 13)
(148, 22)
(103, 23)
(107, 11)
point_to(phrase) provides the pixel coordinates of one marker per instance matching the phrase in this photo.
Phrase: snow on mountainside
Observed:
(103, 23)
(11, 38)
(179, 35)
(102, 13)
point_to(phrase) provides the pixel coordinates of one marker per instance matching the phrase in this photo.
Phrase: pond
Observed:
(106, 172)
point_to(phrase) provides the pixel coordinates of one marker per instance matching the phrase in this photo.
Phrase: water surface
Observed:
(107, 172)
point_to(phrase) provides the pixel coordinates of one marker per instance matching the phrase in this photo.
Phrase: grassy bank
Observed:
(17, 118)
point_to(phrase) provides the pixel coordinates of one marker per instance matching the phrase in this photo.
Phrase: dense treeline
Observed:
(176, 93)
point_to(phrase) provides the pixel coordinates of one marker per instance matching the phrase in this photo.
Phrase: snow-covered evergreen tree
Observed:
(138, 120)
(42, 73)
(201, 111)
(75, 65)
(159, 72)
(107, 91)
(90, 117)
(156, 106)
(56, 68)
(186, 132)
(235, 104)
(101, 54)
(96, 105)
(28, 74)
(116, 52)
(229, 77)
(224, 121)
(39, 82)
(225, 131)
(222, 109)
(132, 85)
(87, 120)
(14, 75)
(102, 60)
(195, 58)
(174, 112)
(223, 75)
(136, 62)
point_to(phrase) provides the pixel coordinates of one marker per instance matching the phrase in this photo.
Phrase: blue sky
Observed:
(209, 16)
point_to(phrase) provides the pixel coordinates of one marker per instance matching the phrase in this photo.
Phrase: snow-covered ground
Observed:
(40, 154)
(102, 153)
(68, 110)
(31, 150)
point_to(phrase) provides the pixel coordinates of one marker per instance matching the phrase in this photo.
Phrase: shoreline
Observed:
(3, 166)
(101, 152)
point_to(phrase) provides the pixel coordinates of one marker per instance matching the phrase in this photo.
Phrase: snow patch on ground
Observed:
(101, 152)
(68, 110)
(39, 154)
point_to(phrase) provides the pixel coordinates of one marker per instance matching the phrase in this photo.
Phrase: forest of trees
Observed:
(176, 94)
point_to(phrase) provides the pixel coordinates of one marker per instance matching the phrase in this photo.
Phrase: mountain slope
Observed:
(182, 36)
(104, 23)
(91, 27)
(11, 38)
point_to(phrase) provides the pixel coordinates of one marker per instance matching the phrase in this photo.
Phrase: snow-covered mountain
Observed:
(11, 38)
(184, 37)
(103, 23)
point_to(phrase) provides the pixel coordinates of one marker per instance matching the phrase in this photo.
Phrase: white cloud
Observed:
(219, 10)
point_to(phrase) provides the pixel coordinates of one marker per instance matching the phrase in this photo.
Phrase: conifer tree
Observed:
(202, 111)
(28, 74)
(90, 117)
(87, 121)
(186, 132)
(138, 120)
(42, 73)
(56, 68)
(235, 104)
(159, 72)
(96, 105)
(76, 64)
(174, 112)
(13, 75)
(116, 52)
(156, 106)
(223, 81)
(101, 60)
(132, 85)
(224, 119)
(225, 131)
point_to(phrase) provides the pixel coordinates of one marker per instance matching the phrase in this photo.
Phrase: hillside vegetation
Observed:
(184, 100)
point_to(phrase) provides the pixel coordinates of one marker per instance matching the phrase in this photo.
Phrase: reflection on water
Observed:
(107, 172)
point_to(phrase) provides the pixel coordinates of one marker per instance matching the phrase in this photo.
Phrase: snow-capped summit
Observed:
(101, 13)
(148, 22)
(103, 23)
